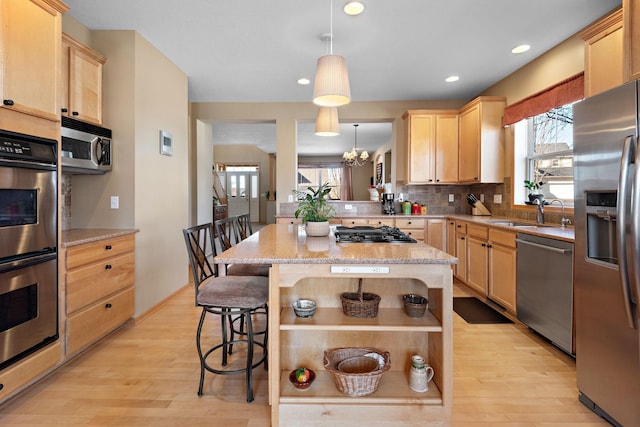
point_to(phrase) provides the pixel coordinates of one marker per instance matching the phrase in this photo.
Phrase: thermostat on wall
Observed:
(166, 146)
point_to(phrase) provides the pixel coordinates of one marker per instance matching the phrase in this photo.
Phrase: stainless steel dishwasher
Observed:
(544, 288)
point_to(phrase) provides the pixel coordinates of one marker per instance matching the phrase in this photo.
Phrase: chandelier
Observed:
(351, 158)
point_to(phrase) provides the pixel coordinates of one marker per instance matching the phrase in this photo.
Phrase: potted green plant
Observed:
(534, 187)
(314, 209)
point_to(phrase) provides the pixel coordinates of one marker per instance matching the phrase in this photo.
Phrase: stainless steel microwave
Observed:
(86, 148)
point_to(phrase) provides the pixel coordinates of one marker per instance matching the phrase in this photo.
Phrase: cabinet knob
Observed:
(489, 246)
(8, 102)
(108, 267)
(459, 226)
(108, 247)
(437, 180)
(108, 305)
(484, 245)
(65, 110)
(462, 238)
(475, 178)
(75, 113)
(1, 386)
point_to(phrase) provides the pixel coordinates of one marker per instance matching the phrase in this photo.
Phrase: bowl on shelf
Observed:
(302, 385)
(304, 308)
(414, 305)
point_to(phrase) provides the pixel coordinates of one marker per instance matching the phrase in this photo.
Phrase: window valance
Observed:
(565, 92)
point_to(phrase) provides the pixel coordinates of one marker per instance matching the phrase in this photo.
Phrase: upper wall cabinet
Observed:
(481, 141)
(603, 63)
(631, 39)
(30, 56)
(81, 89)
(432, 149)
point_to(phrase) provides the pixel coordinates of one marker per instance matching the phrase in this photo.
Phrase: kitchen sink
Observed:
(508, 223)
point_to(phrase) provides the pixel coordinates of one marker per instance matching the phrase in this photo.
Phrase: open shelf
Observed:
(331, 318)
(393, 389)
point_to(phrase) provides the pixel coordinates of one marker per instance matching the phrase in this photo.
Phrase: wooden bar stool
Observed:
(229, 297)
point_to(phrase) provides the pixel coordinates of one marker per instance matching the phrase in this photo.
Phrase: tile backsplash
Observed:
(436, 197)
(65, 189)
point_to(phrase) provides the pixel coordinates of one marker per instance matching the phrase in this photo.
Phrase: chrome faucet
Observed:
(564, 221)
(540, 214)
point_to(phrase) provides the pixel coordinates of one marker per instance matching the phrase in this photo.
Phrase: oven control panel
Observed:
(16, 146)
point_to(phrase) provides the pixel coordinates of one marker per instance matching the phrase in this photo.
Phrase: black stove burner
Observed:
(365, 233)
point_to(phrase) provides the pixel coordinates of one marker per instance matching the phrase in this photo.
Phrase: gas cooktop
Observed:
(366, 234)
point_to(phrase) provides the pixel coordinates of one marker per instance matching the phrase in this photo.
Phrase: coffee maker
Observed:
(388, 204)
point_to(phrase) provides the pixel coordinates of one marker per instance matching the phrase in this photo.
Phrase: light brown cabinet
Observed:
(30, 56)
(436, 233)
(481, 141)
(21, 374)
(432, 148)
(451, 241)
(631, 39)
(502, 268)
(412, 227)
(603, 51)
(477, 258)
(81, 92)
(99, 281)
(460, 271)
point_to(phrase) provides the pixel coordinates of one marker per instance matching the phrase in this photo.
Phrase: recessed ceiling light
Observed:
(304, 81)
(452, 79)
(354, 8)
(521, 48)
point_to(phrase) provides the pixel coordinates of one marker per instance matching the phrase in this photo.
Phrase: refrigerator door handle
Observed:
(635, 224)
(628, 157)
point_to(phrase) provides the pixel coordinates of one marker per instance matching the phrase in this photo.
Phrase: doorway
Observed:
(243, 189)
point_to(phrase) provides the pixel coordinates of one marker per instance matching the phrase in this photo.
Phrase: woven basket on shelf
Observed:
(360, 304)
(355, 384)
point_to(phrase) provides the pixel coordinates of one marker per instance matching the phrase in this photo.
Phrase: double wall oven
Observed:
(28, 245)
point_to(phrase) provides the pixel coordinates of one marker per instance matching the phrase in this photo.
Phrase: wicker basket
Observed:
(355, 384)
(360, 304)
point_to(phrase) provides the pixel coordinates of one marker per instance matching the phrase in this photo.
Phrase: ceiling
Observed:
(256, 50)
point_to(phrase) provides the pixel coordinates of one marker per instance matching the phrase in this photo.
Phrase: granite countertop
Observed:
(551, 230)
(288, 244)
(80, 236)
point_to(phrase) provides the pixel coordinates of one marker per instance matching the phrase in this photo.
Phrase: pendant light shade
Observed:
(331, 85)
(327, 122)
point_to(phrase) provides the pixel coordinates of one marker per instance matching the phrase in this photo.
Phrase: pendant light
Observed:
(331, 84)
(351, 158)
(327, 122)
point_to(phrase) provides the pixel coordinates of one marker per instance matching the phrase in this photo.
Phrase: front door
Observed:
(243, 194)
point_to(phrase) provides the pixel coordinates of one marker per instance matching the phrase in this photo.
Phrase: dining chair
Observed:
(239, 297)
(228, 234)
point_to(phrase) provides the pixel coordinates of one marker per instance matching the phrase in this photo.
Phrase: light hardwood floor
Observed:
(147, 375)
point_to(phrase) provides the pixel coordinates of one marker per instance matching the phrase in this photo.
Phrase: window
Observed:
(313, 175)
(544, 153)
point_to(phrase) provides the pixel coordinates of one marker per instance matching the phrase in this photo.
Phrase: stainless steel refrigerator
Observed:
(607, 253)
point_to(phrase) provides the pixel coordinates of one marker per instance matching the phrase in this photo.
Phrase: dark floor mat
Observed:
(473, 310)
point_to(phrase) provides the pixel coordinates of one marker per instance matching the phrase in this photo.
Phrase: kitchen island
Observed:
(321, 269)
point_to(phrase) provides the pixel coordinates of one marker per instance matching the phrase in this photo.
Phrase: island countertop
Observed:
(288, 244)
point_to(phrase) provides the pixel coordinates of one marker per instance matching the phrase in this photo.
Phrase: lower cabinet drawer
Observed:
(24, 372)
(91, 324)
(390, 222)
(415, 233)
(90, 283)
(403, 223)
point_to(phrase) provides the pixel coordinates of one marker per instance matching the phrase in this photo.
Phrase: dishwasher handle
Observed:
(545, 247)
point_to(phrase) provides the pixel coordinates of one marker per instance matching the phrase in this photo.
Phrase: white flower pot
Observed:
(317, 229)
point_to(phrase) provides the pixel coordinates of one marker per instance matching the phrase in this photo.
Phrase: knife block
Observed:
(479, 209)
